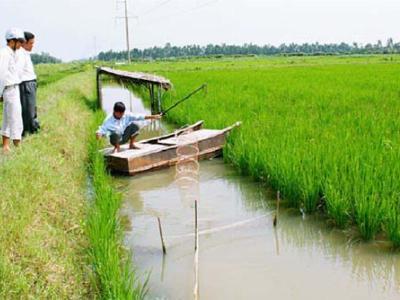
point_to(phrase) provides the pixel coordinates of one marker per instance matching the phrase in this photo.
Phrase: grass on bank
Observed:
(43, 201)
(323, 131)
(54, 242)
(110, 262)
(51, 73)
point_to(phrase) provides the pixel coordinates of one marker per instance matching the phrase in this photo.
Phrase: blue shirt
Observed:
(113, 125)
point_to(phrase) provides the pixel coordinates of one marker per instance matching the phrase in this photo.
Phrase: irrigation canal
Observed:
(241, 255)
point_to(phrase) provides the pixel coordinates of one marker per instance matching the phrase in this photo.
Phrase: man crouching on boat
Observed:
(121, 128)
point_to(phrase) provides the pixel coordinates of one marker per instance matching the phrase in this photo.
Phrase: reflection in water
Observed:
(112, 94)
(300, 259)
(276, 237)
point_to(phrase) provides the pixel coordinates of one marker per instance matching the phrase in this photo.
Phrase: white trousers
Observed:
(12, 116)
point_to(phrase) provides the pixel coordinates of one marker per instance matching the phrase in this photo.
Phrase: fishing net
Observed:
(187, 169)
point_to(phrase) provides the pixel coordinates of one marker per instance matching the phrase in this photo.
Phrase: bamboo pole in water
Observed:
(161, 236)
(196, 254)
(162, 268)
(278, 200)
(98, 88)
(159, 99)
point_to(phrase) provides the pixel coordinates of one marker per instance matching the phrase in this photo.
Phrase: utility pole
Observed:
(127, 31)
(126, 17)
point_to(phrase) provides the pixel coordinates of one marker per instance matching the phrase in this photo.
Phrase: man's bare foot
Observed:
(132, 147)
(116, 150)
(6, 150)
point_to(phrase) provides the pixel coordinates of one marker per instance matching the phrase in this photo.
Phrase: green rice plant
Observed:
(368, 216)
(393, 224)
(112, 266)
(324, 131)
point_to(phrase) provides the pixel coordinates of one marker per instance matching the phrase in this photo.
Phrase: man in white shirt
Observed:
(12, 126)
(27, 87)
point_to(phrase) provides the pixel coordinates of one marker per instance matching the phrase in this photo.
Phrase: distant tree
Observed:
(169, 51)
(390, 45)
(44, 58)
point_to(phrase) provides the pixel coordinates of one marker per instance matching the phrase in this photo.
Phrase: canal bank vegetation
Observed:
(57, 240)
(323, 131)
(50, 73)
(110, 261)
(43, 246)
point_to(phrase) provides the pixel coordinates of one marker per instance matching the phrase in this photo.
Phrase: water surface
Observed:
(301, 259)
(241, 255)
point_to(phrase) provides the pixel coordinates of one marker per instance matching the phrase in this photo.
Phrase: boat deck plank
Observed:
(133, 153)
(145, 148)
(192, 137)
(163, 151)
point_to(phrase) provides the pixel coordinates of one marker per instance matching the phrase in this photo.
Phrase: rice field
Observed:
(325, 132)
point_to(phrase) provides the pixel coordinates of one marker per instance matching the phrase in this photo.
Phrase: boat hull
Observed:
(166, 151)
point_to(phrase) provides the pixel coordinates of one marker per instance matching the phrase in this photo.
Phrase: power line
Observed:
(127, 31)
(186, 11)
(126, 17)
(163, 3)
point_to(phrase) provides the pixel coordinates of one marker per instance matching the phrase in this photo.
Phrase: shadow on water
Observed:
(241, 255)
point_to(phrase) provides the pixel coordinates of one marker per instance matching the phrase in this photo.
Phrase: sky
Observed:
(75, 29)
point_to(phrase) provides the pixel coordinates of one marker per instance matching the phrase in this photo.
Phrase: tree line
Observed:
(44, 58)
(169, 51)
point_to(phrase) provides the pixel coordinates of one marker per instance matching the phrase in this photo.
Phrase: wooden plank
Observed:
(117, 164)
(168, 156)
(208, 154)
(196, 126)
(144, 149)
(99, 89)
(162, 151)
(192, 137)
(138, 77)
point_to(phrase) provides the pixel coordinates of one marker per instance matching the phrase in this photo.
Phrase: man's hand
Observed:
(98, 136)
(153, 117)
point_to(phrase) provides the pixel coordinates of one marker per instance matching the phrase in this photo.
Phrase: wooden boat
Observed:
(167, 150)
